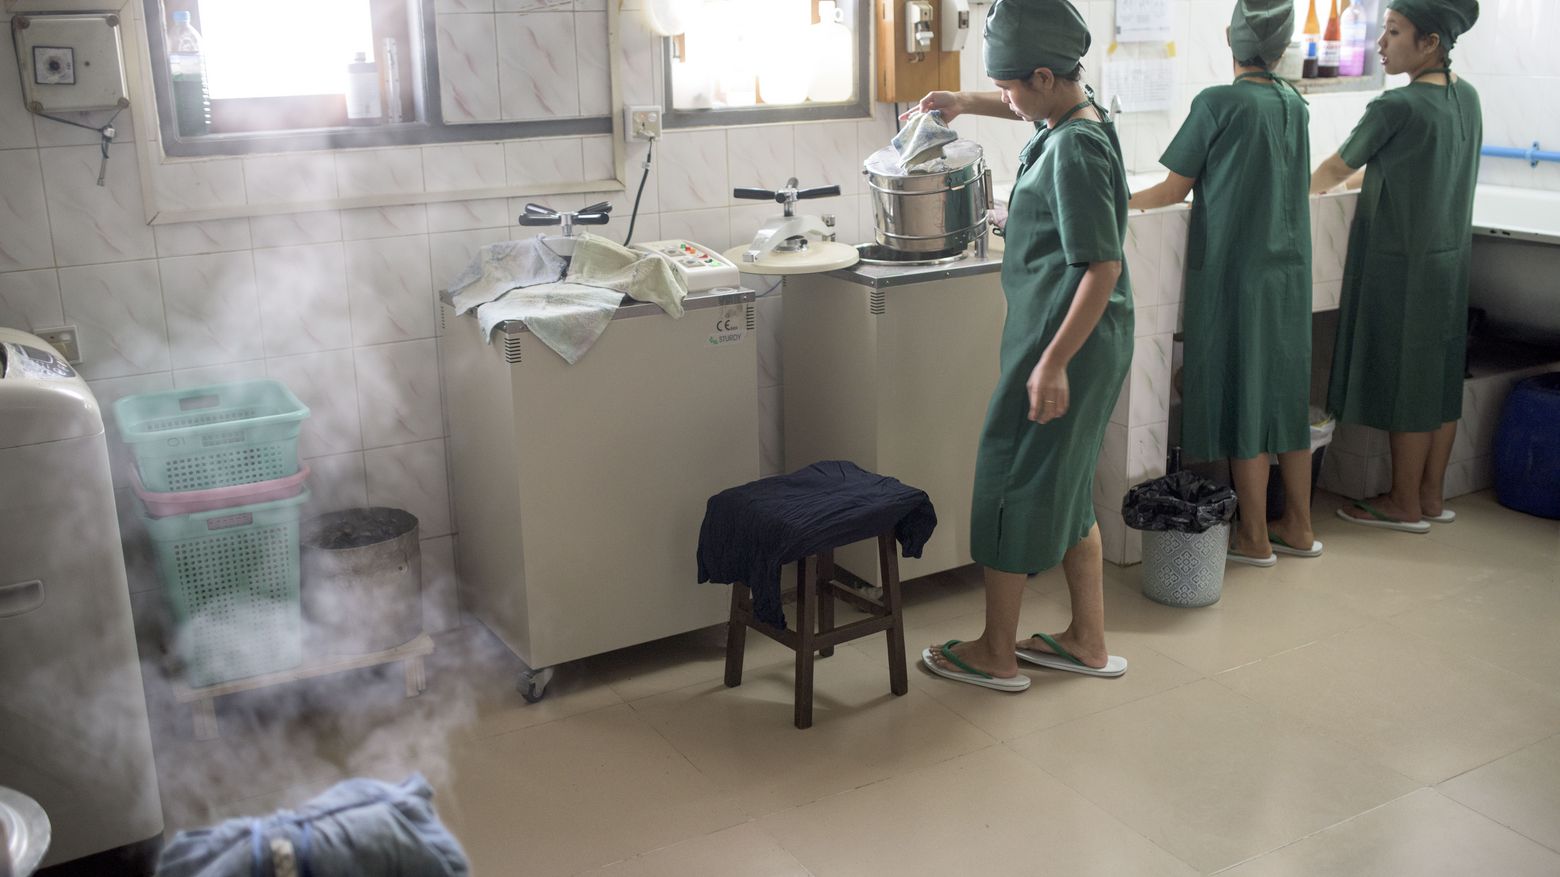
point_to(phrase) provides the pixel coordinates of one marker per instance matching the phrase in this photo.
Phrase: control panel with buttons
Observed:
(702, 267)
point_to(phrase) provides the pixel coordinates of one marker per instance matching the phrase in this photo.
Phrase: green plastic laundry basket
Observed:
(216, 436)
(232, 583)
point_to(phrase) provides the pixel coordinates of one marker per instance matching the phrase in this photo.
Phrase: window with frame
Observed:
(752, 61)
(284, 75)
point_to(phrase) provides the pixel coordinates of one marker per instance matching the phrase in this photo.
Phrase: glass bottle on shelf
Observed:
(1332, 46)
(1311, 40)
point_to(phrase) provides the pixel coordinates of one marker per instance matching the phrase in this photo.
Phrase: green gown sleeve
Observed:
(1085, 209)
(1383, 118)
(1187, 154)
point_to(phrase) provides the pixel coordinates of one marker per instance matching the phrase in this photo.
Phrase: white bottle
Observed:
(363, 107)
(187, 72)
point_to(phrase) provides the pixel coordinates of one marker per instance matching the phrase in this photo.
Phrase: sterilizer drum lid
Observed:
(819, 256)
(24, 829)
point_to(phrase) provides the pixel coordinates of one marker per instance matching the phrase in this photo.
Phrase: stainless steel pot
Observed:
(931, 213)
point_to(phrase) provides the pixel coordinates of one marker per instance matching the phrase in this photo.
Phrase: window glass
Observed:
(321, 37)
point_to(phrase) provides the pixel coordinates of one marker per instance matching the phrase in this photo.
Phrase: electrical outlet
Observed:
(65, 340)
(643, 123)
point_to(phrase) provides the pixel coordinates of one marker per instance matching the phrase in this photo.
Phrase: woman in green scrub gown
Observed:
(1245, 150)
(1402, 323)
(1066, 346)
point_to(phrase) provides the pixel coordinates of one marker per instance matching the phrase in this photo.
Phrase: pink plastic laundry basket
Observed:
(184, 502)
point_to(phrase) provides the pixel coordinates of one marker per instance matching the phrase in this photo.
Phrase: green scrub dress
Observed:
(1033, 482)
(1403, 319)
(1246, 381)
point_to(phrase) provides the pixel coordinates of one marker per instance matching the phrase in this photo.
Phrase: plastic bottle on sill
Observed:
(1355, 39)
(187, 71)
(363, 107)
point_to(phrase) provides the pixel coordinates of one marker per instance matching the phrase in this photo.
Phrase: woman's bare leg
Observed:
(1084, 566)
(1432, 486)
(1251, 484)
(1410, 455)
(993, 651)
(1295, 526)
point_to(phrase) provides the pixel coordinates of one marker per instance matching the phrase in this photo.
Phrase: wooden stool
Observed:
(816, 591)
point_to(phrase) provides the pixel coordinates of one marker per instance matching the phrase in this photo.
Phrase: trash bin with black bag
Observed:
(1185, 522)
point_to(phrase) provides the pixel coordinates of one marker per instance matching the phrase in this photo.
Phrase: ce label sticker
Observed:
(728, 326)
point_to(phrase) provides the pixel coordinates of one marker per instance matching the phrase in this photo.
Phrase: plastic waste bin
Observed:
(1322, 425)
(1527, 448)
(1185, 522)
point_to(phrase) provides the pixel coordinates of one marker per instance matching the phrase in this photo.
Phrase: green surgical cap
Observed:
(1449, 18)
(1022, 35)
(1261, 29)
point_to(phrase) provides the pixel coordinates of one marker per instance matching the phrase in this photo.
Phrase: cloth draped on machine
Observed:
(356, 827)
(750, 532)
(565, 308)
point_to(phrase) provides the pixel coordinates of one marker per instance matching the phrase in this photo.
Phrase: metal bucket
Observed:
(931, 213)
(362, 581)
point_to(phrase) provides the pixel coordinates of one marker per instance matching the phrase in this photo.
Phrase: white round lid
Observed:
(24, 832)
(42, 399)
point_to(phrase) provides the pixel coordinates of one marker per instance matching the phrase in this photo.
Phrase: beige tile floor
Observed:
(1392, 708)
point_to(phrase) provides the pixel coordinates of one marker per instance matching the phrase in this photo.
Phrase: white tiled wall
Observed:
(1510, 58)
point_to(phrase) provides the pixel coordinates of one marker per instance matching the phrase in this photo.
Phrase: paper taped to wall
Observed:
(1143, 21)
(1142, 85)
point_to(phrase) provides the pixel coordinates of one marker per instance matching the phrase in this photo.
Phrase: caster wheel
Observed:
(533, 684)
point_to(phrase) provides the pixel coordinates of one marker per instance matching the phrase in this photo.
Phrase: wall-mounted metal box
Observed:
(71, 63)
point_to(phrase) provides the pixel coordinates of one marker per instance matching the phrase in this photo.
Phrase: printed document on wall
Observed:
(1143, 86)
(1143, 21)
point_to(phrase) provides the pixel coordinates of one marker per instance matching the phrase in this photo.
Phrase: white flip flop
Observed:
(1281, 548)
(1445, 517)
(1059, 659)
(1380, 521)
(969, 674)
(1264, 562)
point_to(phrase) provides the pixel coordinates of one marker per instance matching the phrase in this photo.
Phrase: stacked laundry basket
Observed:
(217, 474)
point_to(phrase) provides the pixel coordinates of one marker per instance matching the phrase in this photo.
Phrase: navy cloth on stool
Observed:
(750, 531)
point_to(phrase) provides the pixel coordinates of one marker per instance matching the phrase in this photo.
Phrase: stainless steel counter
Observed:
(884, 276)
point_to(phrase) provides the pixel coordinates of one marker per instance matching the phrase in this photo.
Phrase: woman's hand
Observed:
(950, 102)
(998, 218)
(1048, 391)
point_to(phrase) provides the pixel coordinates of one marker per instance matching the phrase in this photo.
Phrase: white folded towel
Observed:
(500, 267)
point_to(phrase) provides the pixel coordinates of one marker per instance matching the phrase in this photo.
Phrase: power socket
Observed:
(642, 123)
(65, 340)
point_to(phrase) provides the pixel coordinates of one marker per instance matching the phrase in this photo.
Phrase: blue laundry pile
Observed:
(357, 827)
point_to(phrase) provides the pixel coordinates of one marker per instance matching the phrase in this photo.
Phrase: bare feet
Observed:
(1253, 546)
(1431, 503)
(1092, 654)
(1294, 535)
(1386, 506)
(975, 654)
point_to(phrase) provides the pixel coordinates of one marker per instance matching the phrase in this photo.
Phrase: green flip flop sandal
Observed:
(966, 673)
(1282, 547)
(1381, 521)
(1060, 659)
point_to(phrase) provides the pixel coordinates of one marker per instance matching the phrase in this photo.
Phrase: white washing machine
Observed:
(73, 727)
